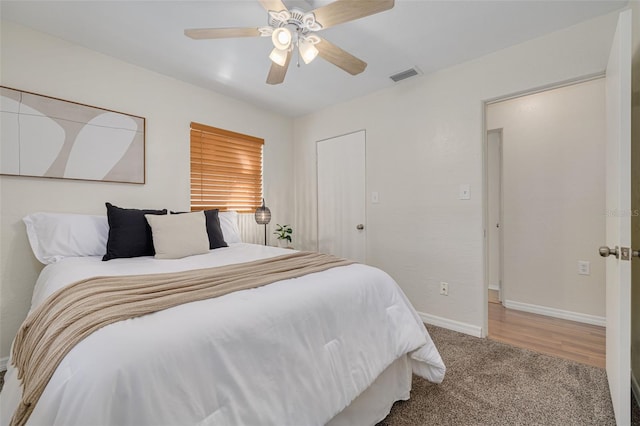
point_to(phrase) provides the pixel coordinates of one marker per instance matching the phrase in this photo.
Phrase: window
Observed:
(226, 170)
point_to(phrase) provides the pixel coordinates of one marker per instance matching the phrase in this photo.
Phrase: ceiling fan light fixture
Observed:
(281, 38)
(291, 29)
(308, 51)
(278, 56)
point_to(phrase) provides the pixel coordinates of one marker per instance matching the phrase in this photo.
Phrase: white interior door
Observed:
(618, 228)
(494, 209)
(341, 196)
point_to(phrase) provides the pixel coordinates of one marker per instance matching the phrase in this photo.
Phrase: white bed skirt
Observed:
(374, 404)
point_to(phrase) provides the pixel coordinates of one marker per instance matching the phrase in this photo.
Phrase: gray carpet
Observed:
(489, 383)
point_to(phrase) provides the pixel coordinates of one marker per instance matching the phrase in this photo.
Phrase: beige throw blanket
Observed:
(72, 313)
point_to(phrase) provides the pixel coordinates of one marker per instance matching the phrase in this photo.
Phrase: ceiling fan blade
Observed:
(209, 33)
(341, 11)
(275, 5)
(340, 58)
(277, 72)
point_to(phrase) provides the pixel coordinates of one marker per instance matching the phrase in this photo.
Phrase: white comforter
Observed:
(295, 352)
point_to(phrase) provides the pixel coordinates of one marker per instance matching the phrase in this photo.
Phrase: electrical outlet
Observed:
(584, 267)
(444, 288)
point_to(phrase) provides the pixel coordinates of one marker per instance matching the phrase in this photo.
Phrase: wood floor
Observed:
(576, 341)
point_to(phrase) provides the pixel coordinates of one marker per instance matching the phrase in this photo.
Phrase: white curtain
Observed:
(250, 231)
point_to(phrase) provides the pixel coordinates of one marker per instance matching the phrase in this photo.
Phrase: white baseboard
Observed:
(494, 287)
(556, 313)
(451, 324)
(635, 388)
(3, 363)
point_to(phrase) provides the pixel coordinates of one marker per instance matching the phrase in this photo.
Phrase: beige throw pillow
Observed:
(178, 235)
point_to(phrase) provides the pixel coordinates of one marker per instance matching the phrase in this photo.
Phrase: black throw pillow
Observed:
(214, 231)
(129, 233)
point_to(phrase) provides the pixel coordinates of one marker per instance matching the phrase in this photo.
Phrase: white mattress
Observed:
(295, 352)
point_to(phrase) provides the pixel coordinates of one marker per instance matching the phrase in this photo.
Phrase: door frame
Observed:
(501, 288)
(485, 208)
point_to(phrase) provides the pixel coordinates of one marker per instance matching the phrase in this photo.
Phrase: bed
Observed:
(335, 347)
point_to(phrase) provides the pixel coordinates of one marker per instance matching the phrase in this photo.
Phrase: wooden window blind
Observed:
(226, 170)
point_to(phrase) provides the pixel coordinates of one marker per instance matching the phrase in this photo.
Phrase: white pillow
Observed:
(229, 225)
(54, 236)
(178, 235)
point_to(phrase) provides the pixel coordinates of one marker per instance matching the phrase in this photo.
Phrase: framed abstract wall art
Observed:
(41, 136)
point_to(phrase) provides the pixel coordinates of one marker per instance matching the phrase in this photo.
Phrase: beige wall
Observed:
(554, 197)
(424, 139)
(39, 63)
(635, 199)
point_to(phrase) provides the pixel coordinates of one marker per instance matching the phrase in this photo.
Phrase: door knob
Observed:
(606, 251)
(360, 227)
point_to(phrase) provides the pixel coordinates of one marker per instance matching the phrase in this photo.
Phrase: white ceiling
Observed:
(428, 34)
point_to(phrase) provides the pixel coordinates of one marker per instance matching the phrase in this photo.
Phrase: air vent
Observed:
(405, 74)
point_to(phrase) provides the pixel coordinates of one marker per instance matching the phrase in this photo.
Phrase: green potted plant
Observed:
(284, 234)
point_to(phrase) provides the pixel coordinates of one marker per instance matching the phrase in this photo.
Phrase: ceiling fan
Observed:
(295, 29)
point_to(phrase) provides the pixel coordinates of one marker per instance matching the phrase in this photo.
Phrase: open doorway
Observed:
(545, 198)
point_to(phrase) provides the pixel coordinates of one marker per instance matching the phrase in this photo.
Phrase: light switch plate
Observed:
(465, 191)
(375, 197)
